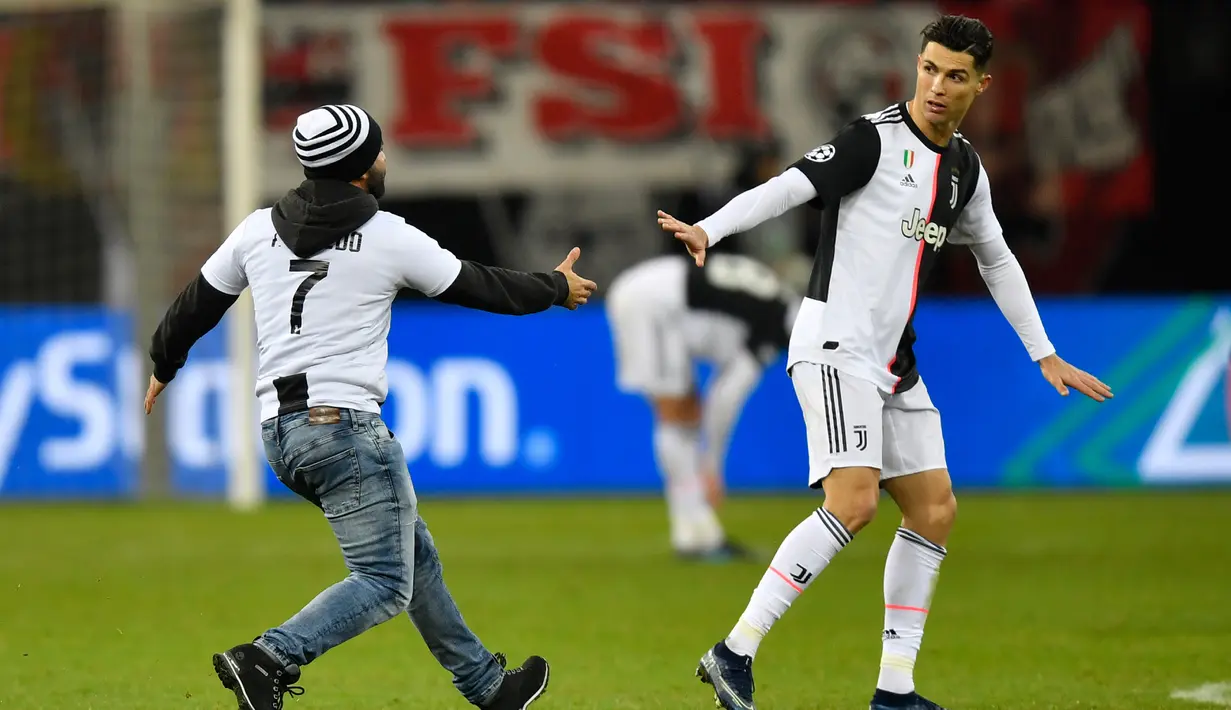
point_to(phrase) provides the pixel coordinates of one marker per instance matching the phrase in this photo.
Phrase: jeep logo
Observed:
(920, 229)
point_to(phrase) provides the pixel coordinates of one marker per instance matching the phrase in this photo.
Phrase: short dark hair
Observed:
(959, 33)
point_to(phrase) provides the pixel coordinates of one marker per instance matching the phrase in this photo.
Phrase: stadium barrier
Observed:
(493, 405)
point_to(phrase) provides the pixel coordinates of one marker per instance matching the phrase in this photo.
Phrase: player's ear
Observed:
(984, 82)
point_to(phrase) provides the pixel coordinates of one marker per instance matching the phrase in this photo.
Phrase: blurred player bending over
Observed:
(324, 265)
(894, 187)
(735, 315)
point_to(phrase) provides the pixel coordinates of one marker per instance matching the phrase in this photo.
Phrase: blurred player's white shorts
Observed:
(651, 349)
(851, 422)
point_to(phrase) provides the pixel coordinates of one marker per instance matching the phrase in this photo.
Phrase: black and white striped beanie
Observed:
(337, 141)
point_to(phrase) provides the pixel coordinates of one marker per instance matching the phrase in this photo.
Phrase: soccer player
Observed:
(894, 188)
(734, 315)
(324, 265)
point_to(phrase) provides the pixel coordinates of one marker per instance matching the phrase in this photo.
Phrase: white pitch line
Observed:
(1210, 693)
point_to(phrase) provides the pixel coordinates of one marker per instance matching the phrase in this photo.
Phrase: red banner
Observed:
(542, 95)
(1064, 132)
(548, 98)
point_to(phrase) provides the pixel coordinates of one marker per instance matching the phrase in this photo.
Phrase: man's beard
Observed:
(376, 184)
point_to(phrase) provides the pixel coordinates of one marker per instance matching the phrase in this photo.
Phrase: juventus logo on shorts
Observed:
(861, 436)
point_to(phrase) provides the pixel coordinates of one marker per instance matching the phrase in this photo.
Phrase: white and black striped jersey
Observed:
(704, 303)
(749, 291)
(322, 322)
(324, 266)
(890, 200)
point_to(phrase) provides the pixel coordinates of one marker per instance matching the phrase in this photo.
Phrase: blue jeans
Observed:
(354, 471)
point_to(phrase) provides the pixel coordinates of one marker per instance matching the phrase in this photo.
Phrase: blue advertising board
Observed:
(63, 424)
(490, 405)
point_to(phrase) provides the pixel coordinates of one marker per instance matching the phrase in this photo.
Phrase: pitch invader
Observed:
(665, 318)
(324, 265)
(894, 188)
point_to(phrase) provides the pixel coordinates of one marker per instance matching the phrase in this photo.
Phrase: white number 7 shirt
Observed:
(324, 265)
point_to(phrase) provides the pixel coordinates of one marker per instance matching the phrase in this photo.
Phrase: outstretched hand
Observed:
(152, 393)
(579, 289)
(1062, 376)
(694, 238)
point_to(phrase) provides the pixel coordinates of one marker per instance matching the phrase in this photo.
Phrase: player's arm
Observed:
(504, 291)
(821, 177)
(760, 204)
(437, 273)
(198, 308)
(1006, 281)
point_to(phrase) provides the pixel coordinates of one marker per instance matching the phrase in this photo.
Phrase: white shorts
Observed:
(651, 351)
(851, 422)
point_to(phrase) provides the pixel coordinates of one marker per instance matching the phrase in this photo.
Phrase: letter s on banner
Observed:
(590, 51)
(71, 398)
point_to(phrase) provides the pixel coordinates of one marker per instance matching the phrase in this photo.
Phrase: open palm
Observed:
(694, 238)
(1062, 376)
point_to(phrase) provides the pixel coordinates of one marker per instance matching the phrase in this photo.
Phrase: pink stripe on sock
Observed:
(895, 606)
(788, 580)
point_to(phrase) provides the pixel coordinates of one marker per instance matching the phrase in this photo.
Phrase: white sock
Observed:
(694, 524)
(910, 577)
(801, 557)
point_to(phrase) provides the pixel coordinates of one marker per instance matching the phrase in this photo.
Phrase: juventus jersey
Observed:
(735, 301)
(322, 322)
(748, 291)
(891, 199)
(324, 265)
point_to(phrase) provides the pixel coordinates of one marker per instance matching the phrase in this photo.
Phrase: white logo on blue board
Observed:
(1168, 455)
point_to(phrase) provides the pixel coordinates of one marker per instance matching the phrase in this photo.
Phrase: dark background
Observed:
(52, 244)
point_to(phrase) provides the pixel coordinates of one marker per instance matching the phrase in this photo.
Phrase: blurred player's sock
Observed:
(910, 577)
(694, 525)
(801, 557)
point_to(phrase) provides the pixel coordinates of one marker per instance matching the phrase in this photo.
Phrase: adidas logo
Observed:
(908, 181)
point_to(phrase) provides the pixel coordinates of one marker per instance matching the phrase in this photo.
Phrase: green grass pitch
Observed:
(1046, 601)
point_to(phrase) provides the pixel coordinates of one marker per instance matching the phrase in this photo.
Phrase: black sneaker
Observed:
(731, 676)
(884, 700)
(521, 686)
(258, 680)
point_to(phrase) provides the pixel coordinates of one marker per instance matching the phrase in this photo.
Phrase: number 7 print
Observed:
(317, 271)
